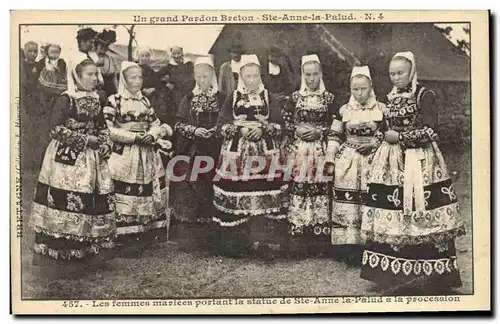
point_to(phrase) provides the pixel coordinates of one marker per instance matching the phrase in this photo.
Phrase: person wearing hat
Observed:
(229, 71)
(107, 64)
(85, 38)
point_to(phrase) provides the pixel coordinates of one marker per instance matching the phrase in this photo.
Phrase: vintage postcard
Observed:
(250, 162)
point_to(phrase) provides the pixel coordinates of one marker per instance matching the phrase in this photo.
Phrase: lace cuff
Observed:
(272, 129)
(185, 130)
(228, 131)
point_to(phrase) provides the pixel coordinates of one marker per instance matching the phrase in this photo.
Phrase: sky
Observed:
(155, 36)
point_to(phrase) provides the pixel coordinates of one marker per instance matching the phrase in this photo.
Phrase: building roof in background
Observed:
(437, 57)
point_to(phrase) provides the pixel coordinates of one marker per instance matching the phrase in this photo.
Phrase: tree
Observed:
(131, 40)
(463, 45)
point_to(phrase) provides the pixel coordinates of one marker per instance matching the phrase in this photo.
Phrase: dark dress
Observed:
(182, 77)
(192, 200)
(31, 112)
(110, 71)
(151, 80)
(52, 83)
(409, 248)
(250, 211)
(283, 83)
(167, 101)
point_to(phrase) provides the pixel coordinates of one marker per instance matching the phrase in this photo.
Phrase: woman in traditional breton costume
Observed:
(311, 113)
(139, 177)
(249, 203)
(411, 217)
(52, 82)
(192, 199)
(144, 56)
(73, 212)
(350, 149)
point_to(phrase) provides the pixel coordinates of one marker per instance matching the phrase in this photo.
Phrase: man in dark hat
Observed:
(229, 71)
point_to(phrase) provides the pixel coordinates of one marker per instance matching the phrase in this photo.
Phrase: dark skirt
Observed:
(162, 101)
(350, 253)
(422, 267)
(194, 236)
(260, 236)
(314, 240)
(192, 201)
(36, 124)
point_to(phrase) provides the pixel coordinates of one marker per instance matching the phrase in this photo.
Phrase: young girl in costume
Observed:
(349, 152)
(311, 113)
(53, 76)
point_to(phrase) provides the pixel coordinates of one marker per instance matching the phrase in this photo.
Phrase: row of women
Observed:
(391, 194)
(44, 80)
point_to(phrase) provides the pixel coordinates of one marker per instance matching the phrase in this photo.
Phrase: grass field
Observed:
(183, 269)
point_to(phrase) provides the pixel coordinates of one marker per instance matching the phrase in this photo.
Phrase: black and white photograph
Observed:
(246, 159)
